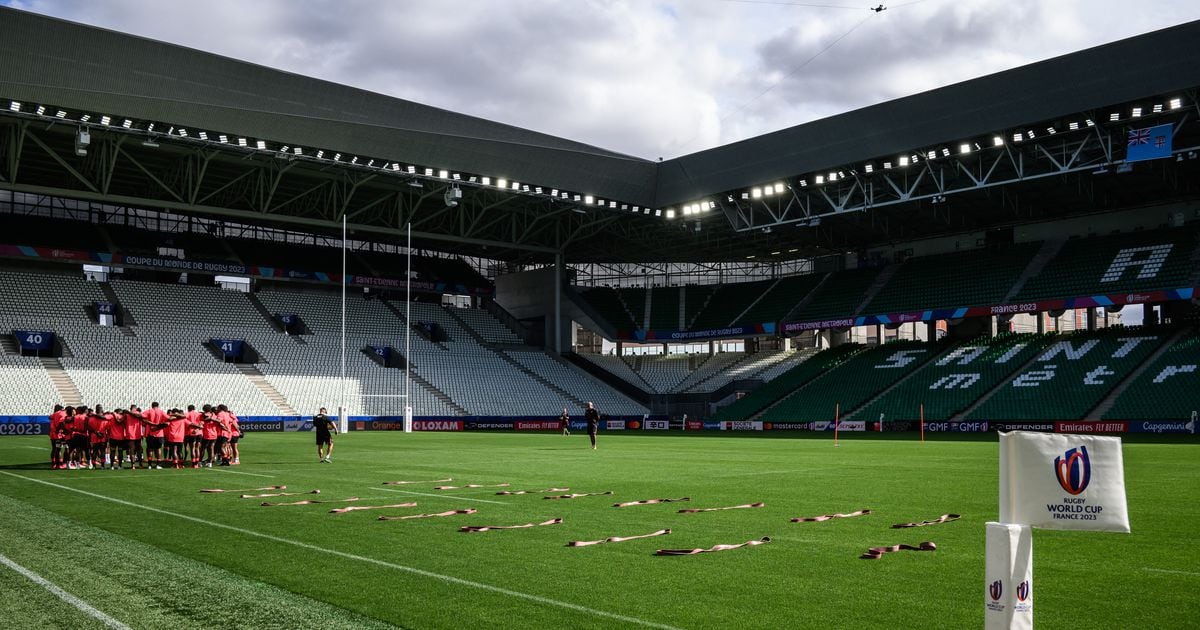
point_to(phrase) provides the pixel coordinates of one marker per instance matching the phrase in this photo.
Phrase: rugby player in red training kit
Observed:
(225, 420)
(194, 423)
(134, 432)
(156, 428)
(77, 430)
(235, 435)
(212, 430)
(177, 428)
(56, 436)
(116, 439)
(99, 429)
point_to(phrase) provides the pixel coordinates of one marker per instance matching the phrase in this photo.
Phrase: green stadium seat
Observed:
(1169, 388)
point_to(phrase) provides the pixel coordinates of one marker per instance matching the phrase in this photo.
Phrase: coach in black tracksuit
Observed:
(593, 423)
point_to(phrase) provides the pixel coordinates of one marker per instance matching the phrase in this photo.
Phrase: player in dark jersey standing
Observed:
(565, 420)
(325, 429)
(593, 423)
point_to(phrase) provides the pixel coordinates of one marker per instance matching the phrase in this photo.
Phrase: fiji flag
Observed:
(1150, 143)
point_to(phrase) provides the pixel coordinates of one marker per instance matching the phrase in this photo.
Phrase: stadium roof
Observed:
(283, 130)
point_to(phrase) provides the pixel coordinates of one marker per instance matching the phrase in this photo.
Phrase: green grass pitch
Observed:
(146, 548)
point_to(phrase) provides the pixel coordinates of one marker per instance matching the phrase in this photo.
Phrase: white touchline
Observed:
(350, 556)
(444, 496)
(63, 595)
(1175, 571)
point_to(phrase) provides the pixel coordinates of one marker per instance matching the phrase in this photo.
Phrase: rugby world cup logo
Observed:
(996, 589)
(1074, 470)
(1023, 591)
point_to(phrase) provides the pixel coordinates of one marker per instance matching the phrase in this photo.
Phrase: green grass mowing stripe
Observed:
(146, 586)
(63, 595)
(349, 556)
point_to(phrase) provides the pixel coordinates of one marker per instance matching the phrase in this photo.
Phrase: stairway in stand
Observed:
(268, 390)
(68, 393)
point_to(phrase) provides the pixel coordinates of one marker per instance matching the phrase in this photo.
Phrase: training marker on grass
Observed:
(945, 518)
(616, 539)
(577, 496)
(732, 507)
(471, 529)
(307, 502)
(875, 553)
(826, 517)
(470, 485)
(446, 513)
(213, 490)
(278, 494)
(509, 493)
(651, 502)
(354, 508)
(405, 483)
(691, 552)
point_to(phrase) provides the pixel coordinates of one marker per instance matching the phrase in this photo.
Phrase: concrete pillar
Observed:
(931, 330)
(787, 344)
(879, 334)
(620, 348)
(712, 348)
(558, 331)
(1041, 322)
(1090, 314)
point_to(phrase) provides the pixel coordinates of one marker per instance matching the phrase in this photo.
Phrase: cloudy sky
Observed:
(646, 77)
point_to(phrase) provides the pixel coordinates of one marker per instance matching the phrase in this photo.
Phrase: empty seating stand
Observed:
(973, 278)
(1168, 389)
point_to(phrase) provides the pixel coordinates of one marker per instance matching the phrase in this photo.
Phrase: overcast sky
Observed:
(646, 77)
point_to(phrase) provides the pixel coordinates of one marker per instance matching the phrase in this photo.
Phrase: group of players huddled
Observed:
(86, 438)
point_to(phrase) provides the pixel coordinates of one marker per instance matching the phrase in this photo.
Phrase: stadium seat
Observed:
(1169, 387)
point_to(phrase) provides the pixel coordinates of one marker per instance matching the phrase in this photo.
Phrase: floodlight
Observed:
(1089, 122)
(1051, 130)
(41, 110)
(750, 257)
(105, 120)
(371, 163)
(354, 160)
(1137, 112)
(501, 183)
(1017, 137)
(299, 151)
(321, 155)
(589, 200)
(428, 172)
(1158, 108)
(914, 158)
(395, 167)
(671, 213)
(842, 174)
(150, 127)
(127, 123)
(624, 206)
(945, 152)
(931, 155)
(658, 213)
(612, 205)
(537, 190)
(997, 141)
(486, 181)
(85, 118)
(183, 133)
(768, 190)
(745, 195)
(204, 136)
(1030, 134)
(261, 144)
(820, 179)
(803, 183)
(412, 170)
(578, 198)
(756, 193)
(456, 177)
(887, 166)
(1114, 117)
(778, 187)
(516, 186)
(1073, 126)
(869, 168)
(776, 253)
(1176, 103)
(14, 106)
(553, 192)
(833, 176)
(443, 174)
(61, 114)
(242, 142)
(636, 209)
(647, 212)
(224, 139)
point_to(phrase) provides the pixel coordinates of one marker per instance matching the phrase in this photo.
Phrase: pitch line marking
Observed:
(442, 496)
(1175, 571)
(63, 595)
(350, 556)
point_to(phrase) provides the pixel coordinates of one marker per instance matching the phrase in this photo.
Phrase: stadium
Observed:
(1015, 252)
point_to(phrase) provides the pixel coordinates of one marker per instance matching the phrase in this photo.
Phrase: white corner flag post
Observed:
(408, 333)
(1047, 481)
